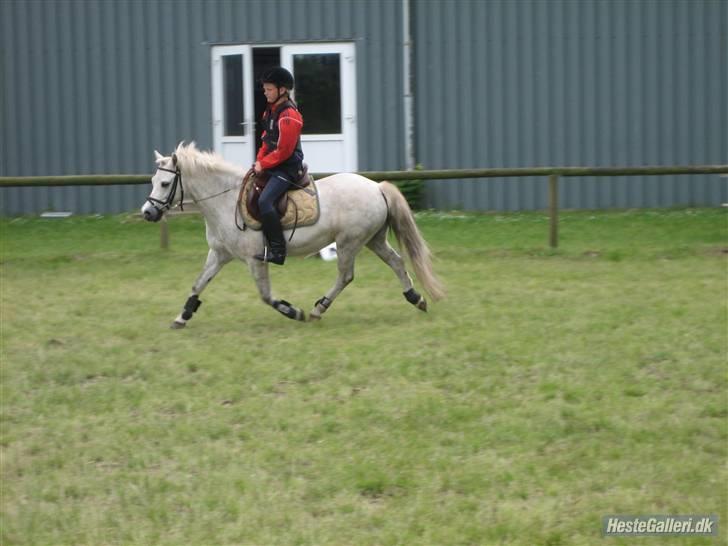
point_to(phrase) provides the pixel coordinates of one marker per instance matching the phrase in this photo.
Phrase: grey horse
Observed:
(354, 212)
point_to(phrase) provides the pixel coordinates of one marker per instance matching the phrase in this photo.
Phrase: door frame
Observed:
(347, 59)
(219, 139)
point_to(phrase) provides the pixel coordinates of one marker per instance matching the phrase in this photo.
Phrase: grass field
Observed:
(549, 389)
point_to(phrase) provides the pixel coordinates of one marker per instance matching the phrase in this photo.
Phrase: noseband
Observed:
(165, 205)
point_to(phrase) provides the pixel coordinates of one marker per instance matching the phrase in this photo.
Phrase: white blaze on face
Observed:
(161, 186)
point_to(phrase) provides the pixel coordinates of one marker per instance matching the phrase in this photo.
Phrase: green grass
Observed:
(550, 388)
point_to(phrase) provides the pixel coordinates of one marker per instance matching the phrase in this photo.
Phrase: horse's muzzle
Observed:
(151, 213)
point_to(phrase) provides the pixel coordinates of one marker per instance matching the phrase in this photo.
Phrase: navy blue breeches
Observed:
(275, 187)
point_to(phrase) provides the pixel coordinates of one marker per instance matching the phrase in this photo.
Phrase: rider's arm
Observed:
(290, 124)
(262, 151)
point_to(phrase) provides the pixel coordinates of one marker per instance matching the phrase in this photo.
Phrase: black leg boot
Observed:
(275, 252)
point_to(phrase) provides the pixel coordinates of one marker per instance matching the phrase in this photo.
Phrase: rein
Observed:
(238, 211)
(213, 195)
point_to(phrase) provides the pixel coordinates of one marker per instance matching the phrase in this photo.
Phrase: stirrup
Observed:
(270, 257)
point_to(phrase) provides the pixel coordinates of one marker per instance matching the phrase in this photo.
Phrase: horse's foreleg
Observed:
(259, 271)
(345, 263)
(215, 261)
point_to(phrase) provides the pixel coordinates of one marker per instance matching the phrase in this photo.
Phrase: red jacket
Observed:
(290, 123)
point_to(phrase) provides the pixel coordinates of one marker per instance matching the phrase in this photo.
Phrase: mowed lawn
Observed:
(549, 389)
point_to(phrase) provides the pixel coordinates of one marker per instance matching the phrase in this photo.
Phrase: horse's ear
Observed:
(174, 159)
(157, 155)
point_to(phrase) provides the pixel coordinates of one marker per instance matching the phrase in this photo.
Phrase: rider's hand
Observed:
(257, 168)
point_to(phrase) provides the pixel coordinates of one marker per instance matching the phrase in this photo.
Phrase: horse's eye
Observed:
(165, 184)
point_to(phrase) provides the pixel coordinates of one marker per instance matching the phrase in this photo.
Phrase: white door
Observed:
(325, 92)
(233, 115)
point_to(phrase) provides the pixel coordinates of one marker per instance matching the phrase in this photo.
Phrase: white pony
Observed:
(355, 211)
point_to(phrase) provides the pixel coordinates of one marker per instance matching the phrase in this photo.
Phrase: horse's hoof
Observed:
(422, 305)
(177, 325)
(287, 310)
(313, 316)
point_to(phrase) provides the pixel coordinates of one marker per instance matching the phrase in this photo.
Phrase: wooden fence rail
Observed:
(552, 174)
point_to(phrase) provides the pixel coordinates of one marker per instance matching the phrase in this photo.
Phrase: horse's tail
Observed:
(402, 223)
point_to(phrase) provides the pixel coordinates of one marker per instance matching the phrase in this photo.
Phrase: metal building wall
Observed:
(91, 86)
(94, 86)
(504, 83)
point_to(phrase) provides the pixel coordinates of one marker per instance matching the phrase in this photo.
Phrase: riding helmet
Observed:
(278, 76)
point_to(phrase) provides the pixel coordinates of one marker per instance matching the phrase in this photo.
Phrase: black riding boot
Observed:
(275, 252)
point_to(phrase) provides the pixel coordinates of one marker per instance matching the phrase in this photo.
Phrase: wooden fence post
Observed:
(164, 233)
(554, 210)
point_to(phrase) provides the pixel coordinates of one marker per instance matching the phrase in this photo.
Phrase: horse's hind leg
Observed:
(345, 254)
(215, 261)
(381, 247)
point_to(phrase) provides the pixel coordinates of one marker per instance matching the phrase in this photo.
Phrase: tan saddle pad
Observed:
(302, 206)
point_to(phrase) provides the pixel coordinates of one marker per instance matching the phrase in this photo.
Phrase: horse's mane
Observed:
(194, 161)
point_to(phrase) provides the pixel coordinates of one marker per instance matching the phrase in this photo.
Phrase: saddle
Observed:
(259, 182)
(296, 207)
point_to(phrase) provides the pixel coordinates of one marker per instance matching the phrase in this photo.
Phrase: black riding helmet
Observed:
(278, 76)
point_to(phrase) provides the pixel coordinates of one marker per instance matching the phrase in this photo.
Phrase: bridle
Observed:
(166, 204)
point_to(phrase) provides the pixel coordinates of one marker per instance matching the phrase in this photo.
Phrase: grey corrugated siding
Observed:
(563, 82)
(94, 86)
